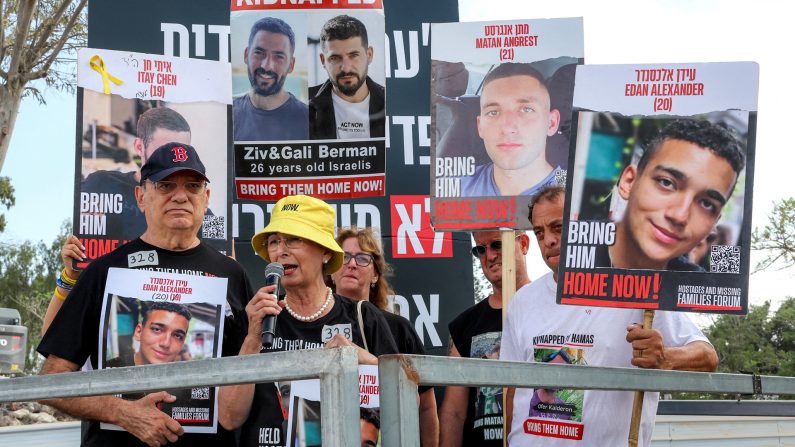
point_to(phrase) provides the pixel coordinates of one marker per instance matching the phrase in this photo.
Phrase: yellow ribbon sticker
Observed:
(98, 65)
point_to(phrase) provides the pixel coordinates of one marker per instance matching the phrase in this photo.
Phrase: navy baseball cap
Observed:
(170, 158)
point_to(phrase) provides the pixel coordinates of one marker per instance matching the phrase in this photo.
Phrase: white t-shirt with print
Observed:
(352, 118)
(536, 328)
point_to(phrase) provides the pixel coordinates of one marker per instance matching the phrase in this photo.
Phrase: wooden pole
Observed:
(637, 404)
(508, 269)
(508, 290)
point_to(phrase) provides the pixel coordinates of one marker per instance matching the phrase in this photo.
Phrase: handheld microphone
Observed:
(273, 275)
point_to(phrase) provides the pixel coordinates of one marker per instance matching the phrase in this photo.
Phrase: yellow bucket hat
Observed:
(306, 217)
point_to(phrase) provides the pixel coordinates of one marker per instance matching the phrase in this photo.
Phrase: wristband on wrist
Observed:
(60, 283)
(66, 279)
(59, 296)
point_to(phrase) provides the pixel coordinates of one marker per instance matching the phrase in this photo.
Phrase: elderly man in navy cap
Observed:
(173, 196)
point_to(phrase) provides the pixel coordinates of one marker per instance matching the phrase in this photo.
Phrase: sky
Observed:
(41, 158)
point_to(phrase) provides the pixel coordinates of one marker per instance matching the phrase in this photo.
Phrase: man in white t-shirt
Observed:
(349, 104)
(537, 329)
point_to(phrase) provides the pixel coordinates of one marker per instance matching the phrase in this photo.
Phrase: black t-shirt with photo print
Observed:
(266, 425)
(74, 333)
(474, 332)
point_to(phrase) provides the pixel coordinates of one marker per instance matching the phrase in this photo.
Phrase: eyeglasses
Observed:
(362, 259)
(167, 187)
(480, 250)
(289, 242)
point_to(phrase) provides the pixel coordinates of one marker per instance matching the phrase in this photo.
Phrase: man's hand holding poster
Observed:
(500, 112)
(659, 195)
(153, 318)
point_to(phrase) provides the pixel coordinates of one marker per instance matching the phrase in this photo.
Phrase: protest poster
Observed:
(309, 110)
(129, 104)
(402, 217)
(303, 422)
(151, 317)
(671, 229)
(500, 110)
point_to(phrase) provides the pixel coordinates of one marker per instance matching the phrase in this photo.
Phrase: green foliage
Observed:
(758, 343)
(777, 238)
(482, 286)
(6, 199)
(744, 343)
(38, 48)
(782, 335)
(27, 281)
(40, 39)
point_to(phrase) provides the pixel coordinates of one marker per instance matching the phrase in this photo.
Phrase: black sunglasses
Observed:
(480, 250)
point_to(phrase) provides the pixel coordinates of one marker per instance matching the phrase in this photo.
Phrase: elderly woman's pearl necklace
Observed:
(315, 315)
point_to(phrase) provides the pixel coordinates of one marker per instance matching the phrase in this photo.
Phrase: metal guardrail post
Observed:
(339, 403)
(399, 414)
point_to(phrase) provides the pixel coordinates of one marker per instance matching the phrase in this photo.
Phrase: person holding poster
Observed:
(675, 195)
(363, 278)
(300, 237)
(587, 336)
(474, 416)
(72, 250)
(349, 104)
(174, 196)
(514, 122)
(268, 112)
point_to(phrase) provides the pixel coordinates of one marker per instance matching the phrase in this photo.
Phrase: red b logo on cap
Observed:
(180, 154)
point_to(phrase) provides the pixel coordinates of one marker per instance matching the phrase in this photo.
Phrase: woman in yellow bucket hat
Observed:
(300, 237)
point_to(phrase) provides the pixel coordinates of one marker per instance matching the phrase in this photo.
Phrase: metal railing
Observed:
(336, 368)
(399, 376)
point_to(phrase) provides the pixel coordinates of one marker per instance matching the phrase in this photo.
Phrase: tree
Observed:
(27, 280)
(777, 238)
(6, 199)
(482, 285)
(743, 343)
(781, 329)
(36, 34)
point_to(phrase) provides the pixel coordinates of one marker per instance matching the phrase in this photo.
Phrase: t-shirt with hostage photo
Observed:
(74, 334)
(476, 334)
(537, 329)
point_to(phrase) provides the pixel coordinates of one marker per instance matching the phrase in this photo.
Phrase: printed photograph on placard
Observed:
(660, 184)
(631, 192)
(500, 118)
(309, 111)
(158, 100)
(269, 75)
(151, 318)
(347, 98)
(118, 134)
(303, 422)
